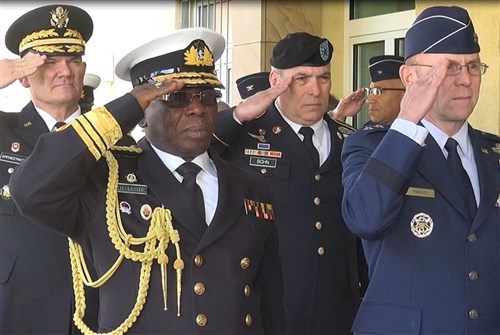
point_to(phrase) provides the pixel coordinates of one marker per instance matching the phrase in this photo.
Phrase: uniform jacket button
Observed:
(199, 288)
(198, 260)
(246, 291)
(201, 320)
(317, 201)
(473, 314)
(317, 177)
(472, 237)
(473, 275)
(321, 251)
(245, 263)
(318, 225)
(248, 320)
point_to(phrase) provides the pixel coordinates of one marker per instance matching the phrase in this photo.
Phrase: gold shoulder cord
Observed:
(156, 241)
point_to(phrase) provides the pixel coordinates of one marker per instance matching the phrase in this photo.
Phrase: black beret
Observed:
(253, 83)
(301, 48)
(50, 30)
(442, 30)
(385, 67)
(186, 54)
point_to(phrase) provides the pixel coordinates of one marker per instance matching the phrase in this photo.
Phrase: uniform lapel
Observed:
(333, 159)
(229, 209)
(167, 189)
(487, 167)
(31, 126)
(432, 166)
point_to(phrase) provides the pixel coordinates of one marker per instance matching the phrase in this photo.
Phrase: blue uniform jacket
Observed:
(443, 275)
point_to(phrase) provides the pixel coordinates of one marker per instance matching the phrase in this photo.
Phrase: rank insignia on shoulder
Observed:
(260, 209)
(496, 148)
(421, 225)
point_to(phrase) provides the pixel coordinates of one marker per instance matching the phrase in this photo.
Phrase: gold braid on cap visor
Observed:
(49, 41)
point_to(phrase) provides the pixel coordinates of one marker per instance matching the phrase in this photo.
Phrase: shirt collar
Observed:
(51, 122)
(462, 137)
(172, 162)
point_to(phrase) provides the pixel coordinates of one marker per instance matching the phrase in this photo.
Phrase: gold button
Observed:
(318, 225)
(263, 171)
(317, 200)
(198, 260)
(201, 320)
(473, 314)
(247, 291)
(317, 177)
(10, 170)
(248, 320)
(321, 251)
(245, 263)
(199, 288)
(473, 275)
(472, 237)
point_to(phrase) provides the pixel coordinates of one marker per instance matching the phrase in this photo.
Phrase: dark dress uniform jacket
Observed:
(35, 276)
(318, 252)
(447, 282)
(70, 196)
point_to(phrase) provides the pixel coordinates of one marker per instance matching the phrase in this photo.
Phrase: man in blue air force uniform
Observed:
(431, 244)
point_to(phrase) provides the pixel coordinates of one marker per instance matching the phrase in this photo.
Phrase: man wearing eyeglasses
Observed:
(424, 195)
(296, 146)
(183, 242)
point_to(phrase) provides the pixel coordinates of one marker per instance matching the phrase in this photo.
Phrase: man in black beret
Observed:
(424, 193)
(36, 295)
(296, 146)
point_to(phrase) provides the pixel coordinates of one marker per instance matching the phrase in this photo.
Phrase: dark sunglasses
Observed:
(180, 99)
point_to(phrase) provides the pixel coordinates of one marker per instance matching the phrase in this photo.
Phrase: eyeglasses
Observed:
(179, 99)
(377, 91)
(474, 68)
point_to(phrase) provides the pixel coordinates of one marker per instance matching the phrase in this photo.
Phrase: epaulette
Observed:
(343, 128)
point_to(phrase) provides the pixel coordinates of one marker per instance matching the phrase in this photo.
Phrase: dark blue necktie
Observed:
(189, 171)
(308, 143)
(461, 177)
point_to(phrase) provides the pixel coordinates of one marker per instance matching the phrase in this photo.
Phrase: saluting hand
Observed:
(13, 69)
(148, 92)
(349, 105)
(421, 93)
(255, 105)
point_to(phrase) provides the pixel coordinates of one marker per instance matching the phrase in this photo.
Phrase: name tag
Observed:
(421, 192)
(132, 188)
(11, 158)
(263, 162)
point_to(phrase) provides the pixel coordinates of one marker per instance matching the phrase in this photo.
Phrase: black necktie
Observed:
(189, 171)
(461, 177)
(58, 125)
(308, 133)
